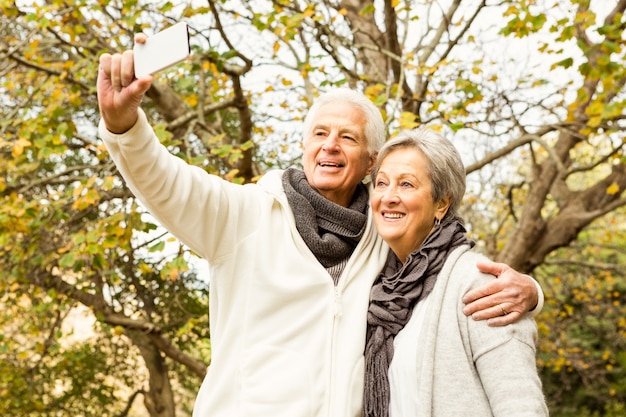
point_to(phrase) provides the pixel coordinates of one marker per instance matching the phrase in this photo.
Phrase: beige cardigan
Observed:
(449, 365)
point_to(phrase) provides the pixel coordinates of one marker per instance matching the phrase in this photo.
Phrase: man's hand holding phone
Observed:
(124, 78)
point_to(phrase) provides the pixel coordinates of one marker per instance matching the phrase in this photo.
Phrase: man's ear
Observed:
(372, 161)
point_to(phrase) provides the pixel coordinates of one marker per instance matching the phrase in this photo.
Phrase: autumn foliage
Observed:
(103, 313)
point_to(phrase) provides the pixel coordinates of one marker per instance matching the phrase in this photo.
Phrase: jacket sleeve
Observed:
(540, 300)
(505, 359)
(200, 209)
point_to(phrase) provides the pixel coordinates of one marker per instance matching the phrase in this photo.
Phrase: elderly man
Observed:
(293, 257)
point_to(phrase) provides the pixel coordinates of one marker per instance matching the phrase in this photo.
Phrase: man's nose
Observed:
(331, 143)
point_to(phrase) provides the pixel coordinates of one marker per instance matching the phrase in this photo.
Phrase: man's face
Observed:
(335, 156)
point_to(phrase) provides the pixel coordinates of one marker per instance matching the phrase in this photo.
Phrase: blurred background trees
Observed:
(105, 314)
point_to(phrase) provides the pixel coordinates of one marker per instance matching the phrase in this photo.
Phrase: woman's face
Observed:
(402, 203)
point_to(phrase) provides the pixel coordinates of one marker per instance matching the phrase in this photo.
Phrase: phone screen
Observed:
(166, 48)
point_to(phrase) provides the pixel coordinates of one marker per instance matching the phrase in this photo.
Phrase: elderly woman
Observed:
(423, 356)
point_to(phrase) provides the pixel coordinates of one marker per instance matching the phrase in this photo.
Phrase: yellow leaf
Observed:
(594, 121)
(612, 189)
(23, 355)
(437, 128)
(65, 248)
(108, 183)
(19, 146)
(192, 100)
(407, 120)
(594, 108)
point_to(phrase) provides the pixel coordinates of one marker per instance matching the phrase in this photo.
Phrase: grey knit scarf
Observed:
(329, 230)
(395, 292)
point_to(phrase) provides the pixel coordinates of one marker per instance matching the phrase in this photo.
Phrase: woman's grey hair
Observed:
(375, 132)
(445, 167)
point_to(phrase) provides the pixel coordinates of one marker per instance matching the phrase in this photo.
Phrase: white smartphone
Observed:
(166, 48)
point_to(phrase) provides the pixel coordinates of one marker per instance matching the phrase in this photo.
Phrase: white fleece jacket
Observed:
(285, 341)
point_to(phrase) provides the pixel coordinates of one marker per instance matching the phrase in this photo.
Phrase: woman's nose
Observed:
(390, 195)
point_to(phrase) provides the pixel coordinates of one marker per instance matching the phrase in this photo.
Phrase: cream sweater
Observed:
(285, 341)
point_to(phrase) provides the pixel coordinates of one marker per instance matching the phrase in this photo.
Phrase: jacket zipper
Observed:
(337, 312)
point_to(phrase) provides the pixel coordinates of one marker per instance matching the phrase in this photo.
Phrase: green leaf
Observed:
(67, 261)
(157, 247)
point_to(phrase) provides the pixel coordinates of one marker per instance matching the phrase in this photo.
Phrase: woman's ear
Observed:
(441, 207)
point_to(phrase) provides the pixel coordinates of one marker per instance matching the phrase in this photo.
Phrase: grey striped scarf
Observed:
(329, 230)
(394, 294)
